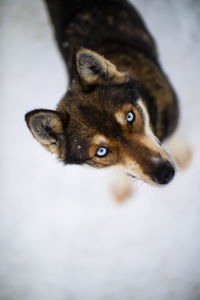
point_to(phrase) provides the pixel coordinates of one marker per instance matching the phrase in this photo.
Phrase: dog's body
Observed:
(120, 105)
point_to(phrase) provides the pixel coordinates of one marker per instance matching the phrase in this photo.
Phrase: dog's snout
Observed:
(163, 173)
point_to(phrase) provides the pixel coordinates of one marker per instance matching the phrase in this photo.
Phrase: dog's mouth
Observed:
(129, 174)
(161, 174)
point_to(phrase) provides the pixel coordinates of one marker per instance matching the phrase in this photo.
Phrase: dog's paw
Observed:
(121, 187)
(121, 193)
(181, 151)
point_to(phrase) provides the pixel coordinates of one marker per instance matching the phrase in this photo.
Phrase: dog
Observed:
(120, 106)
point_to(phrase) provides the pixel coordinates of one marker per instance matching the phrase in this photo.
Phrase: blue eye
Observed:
(130, 117)
(102, 151)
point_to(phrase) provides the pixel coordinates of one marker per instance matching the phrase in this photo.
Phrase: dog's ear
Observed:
(47, 127)
(95, 69)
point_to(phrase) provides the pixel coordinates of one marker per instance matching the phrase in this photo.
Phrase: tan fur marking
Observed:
(100, 139)
(133, 168)
(120, 117)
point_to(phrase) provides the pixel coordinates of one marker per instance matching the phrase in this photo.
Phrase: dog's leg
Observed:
(121, 186)
(181, 150)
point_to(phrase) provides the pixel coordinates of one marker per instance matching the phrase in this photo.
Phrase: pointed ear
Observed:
(47, 127)
(95, 69)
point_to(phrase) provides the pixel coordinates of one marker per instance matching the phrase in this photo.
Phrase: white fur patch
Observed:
(148, 131)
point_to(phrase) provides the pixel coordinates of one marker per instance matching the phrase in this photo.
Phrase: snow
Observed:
(61, 234)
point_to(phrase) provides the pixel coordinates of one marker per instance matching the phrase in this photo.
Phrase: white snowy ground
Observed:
(62, 237)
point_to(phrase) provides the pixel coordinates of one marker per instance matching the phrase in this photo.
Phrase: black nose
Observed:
(163, 173)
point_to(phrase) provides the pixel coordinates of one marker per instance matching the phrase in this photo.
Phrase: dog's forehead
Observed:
(99, 119)
(105, 94)
(95, 112)
(117, 94)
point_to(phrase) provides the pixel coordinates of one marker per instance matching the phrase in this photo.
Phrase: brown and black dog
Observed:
(119, 106)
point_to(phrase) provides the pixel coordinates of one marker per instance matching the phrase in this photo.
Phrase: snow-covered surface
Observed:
(61, 235)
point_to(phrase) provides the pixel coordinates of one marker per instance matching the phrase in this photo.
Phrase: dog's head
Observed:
(103, 121)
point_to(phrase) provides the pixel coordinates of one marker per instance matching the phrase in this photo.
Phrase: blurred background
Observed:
(62, 236)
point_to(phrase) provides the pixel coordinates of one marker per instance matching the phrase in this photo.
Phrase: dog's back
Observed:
(104, 26)
(114, 29)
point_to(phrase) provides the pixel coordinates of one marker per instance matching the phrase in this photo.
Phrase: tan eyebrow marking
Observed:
(120, 115)
(99, 139)
(120, 118)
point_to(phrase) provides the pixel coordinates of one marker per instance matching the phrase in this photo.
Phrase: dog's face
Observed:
(102, 121)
